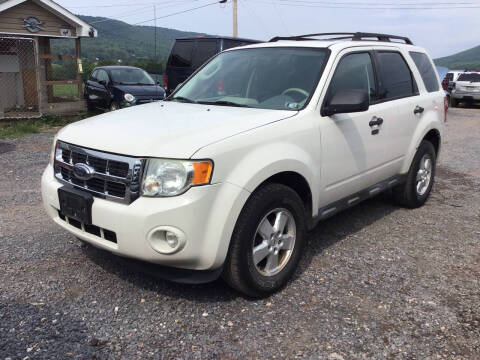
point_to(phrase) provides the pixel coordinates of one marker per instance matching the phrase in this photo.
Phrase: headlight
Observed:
(164, 177)
(129, 97)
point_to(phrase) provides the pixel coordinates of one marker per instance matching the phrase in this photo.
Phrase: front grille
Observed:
(91, 229)
(114, 177)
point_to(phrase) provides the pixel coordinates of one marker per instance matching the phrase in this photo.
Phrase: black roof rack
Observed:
(357, 36)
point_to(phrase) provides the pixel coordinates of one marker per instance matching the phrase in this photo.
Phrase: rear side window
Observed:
(182, 54)
(396, 79)
(205, 50)
(426, 70)
(469, 77)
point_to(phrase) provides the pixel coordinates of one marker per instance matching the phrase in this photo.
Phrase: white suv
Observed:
(261, 143)
(466, 87)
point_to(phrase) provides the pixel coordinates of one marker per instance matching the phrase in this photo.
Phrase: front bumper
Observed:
(465, 95)
(205, 214)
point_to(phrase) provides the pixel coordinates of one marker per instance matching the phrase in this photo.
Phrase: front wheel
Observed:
(420, 178)
(267, 241)
(114, 106)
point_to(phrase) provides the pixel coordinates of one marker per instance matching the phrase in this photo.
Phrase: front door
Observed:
(355, 145)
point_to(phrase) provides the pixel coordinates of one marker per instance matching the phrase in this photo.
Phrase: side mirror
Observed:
(103, 82)
(347, 101)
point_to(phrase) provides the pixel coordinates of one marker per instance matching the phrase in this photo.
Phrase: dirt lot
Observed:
(377, 281)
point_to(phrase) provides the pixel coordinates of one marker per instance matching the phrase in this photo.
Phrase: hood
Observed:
(141, 90)
(166, 129)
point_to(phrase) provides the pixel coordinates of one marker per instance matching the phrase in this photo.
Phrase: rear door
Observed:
(179, 66)
(398, 98)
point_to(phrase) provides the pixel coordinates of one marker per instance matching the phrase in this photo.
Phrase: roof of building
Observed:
(83, 28)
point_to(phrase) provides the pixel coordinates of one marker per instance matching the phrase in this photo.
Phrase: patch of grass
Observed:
(65, 91)
(12, 129)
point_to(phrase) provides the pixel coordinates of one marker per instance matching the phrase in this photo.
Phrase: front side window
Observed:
(396, 79)
(93, 77)
(264, 78)
(424, 66)
(354, 72)
(102, 76)
(128, 76)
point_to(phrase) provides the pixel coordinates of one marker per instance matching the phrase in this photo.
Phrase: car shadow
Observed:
(326, 234)
(340, 226)
(468, 105)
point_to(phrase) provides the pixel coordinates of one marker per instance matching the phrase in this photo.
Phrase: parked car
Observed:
(466, 87)
(115, 87)
(451, 77)
(227, 180)
(188, 54)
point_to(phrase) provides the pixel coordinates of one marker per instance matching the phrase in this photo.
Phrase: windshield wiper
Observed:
(222, 103)
(184, 99)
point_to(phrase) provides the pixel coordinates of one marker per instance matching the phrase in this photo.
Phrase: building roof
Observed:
(83, 28)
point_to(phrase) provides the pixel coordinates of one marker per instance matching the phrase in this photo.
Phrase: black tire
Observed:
(114, 106)
(453, 102)
(407, 194)
(240, 272)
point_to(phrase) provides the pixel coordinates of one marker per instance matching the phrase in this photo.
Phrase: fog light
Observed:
(171, 239)
(166, 239)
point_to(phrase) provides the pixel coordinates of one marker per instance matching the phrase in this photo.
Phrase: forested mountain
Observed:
(119, 40)
(465, 60)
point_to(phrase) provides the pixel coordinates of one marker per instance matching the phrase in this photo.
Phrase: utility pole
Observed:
(235, 22)
(155, 24)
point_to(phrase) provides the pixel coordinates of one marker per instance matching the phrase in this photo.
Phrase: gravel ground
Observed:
(377, 281)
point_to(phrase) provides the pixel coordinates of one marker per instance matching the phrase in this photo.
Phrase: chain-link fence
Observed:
(19, 87)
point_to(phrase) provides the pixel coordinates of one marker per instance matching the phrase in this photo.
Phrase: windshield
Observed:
(469, 77)
(131, 77)
(264, 78)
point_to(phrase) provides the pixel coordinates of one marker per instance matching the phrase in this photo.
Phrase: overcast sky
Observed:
(442, 31)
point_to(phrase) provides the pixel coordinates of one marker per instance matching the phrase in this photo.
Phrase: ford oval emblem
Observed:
(83, 171)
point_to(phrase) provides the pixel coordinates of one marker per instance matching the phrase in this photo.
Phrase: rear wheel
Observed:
(420, 178)
(267, 242)
(453, 102)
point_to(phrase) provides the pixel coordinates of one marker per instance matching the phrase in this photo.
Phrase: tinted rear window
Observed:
(205, 50)
(182, 54)
(426, 70)
(395, 77)
(469, 77)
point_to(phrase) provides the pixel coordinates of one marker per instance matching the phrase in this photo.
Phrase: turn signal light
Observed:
(202, 171)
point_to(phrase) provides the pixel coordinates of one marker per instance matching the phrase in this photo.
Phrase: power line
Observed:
(131, 4)
(176, 13)
(133, 12)
(380, 4)
(373, 7)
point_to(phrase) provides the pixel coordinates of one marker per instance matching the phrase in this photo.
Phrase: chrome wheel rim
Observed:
(424, 174)
(274, 242)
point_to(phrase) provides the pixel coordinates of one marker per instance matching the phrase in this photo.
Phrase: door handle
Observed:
(418, 110)
(375, 121)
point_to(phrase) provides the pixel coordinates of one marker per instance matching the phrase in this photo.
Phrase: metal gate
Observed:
(19, 80)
